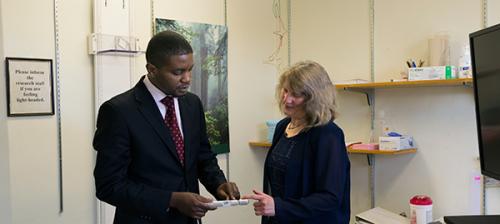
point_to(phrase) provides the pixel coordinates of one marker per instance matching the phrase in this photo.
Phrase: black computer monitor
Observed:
(485, 55)
(473, 219)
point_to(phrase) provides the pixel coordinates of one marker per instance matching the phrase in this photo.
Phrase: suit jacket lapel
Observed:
(149, 109)
(186, 110)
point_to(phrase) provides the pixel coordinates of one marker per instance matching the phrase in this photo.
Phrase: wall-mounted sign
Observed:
(29, 87)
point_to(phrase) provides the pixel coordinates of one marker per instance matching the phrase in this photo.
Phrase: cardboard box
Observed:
(395, 143)
(432, 73)
(366, 146)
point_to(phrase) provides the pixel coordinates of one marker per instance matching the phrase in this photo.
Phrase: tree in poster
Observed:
(209, 44)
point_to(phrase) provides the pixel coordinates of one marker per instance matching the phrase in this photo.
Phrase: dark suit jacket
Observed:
(137, 167)
(317, 177)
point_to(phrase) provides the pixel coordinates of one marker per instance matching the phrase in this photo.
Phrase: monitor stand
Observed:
(472, 219)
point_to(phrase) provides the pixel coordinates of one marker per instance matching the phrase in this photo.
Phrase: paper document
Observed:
(379, 215)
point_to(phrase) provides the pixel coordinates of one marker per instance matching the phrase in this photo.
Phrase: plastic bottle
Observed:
(384, 124)
(420, 209)
(464, 63)
(271, 125)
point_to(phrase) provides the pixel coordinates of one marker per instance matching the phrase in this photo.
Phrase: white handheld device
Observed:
(227, 203)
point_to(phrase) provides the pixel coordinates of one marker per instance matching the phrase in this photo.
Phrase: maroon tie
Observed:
(171, 122)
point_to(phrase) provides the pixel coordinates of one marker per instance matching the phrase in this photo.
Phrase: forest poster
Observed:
(209, 81)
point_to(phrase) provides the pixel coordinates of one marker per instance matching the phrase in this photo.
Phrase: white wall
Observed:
(142, 28)
(5, 207)
(415, 27)
(493, 12)
(31, 144)
(32, 140)
(77, 100)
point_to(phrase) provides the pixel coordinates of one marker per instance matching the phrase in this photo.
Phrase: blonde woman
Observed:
(307, 170)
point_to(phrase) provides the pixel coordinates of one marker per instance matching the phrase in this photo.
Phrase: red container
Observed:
(420, 209)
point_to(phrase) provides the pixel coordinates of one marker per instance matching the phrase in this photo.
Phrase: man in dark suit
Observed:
(152, 145)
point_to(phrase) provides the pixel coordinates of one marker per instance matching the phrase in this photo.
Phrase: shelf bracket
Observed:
(371, 163)
(468, 84)
(368, 92)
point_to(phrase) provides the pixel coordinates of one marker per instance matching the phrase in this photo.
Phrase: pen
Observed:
(420, 63)
(413, 63)
(408, 63)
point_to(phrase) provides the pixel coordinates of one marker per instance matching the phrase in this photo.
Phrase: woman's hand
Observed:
(264, 204)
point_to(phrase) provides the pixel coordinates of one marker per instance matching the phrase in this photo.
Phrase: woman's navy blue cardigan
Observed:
(317, 178)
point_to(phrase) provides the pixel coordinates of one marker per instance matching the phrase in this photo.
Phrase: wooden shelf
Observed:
(260, 144)
(382, 152)
(353, 151)
(402, 84)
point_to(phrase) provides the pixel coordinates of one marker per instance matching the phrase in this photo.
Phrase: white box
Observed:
(432, 73)
(395, 143)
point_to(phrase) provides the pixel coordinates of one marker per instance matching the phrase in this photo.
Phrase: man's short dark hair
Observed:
(165, 44)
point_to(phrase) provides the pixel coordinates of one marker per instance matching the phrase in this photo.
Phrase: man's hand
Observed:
(190, 204)
(228, 191)
(264, 205)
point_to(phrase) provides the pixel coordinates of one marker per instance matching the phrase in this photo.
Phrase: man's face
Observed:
(174, 77)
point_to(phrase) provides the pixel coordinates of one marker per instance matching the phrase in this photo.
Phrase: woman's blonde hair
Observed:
(311, 80)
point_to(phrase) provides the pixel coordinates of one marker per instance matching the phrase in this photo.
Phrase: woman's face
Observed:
(293, 103)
